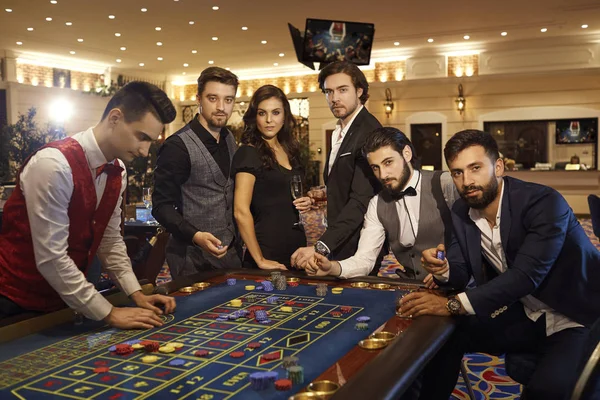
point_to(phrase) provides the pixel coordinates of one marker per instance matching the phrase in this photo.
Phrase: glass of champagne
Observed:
(147, 199)
(296, 189)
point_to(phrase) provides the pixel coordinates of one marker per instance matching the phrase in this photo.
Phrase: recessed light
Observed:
(430, 40)
(29, 29)
(244, 28)
(211, 62)
(111, 17)
(53, 1)
(228, 69)
(159, 58)
(117, 34)
(276, 64)
(183, 73)
(144, 10)
(158, 28)
(68, 23)
(123, 48)
(504, 33)
(19, 43)
(141, 64)
(80, 40)
(215, 8)
(544, 30)
(159, 43)
(584, 26)
(48, 19)
(215, 38)
(118, 60)
(263, 42)
(71, 52)
(185, 65)
(396, 43)
(8, 9)
(466, 37)
(281, 54)
(194, 51)
(191, 22)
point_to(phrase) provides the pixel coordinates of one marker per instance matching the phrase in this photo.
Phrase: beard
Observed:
(394, 192)
(343, 112)
(217, 121)
(488, 194)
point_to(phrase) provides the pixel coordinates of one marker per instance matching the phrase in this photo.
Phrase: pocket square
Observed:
(345, 154)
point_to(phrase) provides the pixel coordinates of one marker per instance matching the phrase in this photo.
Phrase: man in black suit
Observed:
(536, 271)
(350, 182)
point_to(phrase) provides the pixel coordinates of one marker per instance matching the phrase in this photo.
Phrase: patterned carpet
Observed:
(487, 374)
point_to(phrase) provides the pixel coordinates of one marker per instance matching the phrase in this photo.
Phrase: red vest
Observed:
(20, 279)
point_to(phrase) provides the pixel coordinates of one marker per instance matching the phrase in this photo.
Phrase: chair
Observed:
(594, 203)
(588, 384)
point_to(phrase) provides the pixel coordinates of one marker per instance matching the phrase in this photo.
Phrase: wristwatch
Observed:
(453, 305)
(322, 249)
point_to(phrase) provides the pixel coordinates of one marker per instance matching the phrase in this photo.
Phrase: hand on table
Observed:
(303, 204)
(132, 318)
(151, 302)
(270, 265)
(424, 303)
(431, 263)
(211, 244)
(319, 265)
(301, 257)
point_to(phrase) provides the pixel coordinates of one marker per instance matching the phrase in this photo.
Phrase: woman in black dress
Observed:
(263, 167)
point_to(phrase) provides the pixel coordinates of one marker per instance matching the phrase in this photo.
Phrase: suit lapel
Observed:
(347, 138)
(505, 217)
(472, 242)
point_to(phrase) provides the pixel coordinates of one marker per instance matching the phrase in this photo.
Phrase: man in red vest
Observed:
(66, 208)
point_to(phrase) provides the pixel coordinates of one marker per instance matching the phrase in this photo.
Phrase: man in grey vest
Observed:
(193, 192)
(412, 211)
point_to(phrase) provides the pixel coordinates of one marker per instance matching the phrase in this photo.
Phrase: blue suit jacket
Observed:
(547, 252)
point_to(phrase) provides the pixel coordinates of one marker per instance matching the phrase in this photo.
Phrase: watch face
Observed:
(454, 306)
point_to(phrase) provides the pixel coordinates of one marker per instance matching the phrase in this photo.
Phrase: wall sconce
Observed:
(388, 106)
(461, 102)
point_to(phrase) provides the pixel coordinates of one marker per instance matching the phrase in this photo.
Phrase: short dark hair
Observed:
(136, 99)
(359, 80)
(471, 137)
(388, 136)
(216, 74)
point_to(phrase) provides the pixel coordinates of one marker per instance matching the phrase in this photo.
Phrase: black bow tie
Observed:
(410, 191)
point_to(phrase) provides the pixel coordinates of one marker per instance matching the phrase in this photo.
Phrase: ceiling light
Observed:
(53, 1)
(61, 110)
(215, 38)
(8, 9)
(244, 28)
(118, 60)
(215, 8)
(19, 43)
(68, 23)
(48, 19)
(544, 30)
(29, 29)
(276, 64)
(466, 37)
(281, 54)
(504, 33)
(72, 52)
(228, 69)
(191, 22)
(158, 28)
(396, 43)
(183, 73)
(111, 17)
(430, 40)
(159, 43)
(144, 9)
(211, 62)
(584, 26)
(80, 40)
(123, 48)
(117, 34)
(263, 42)
(194, 51)
(141, 64)
(159, 58)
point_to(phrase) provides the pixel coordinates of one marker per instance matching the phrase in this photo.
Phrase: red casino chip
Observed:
(150, 347)
(254, 345)
(124, 350)
(283, 384)
(255, 308)
(290, 303)
(237, 354)
(293, 284)
(346, 309)
(201, 353)
(101, 370)
(336, 314)
(271, 356)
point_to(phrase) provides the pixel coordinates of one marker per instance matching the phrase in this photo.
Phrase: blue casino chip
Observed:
(176, 362)
(363, 318)
(112, 348)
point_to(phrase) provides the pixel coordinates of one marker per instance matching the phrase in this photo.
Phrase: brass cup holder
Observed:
(373, 344)
(380, 286)
(362, 285)
(323, 387)
(200, 285)
(292, 279)
(383, 335)
(187, 289)
(308, 395)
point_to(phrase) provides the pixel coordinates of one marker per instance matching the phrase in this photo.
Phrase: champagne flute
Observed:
(296, 189)
(147, 199)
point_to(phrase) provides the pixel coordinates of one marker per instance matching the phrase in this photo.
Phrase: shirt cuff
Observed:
(341, 270)
(464, 300)
(445, 277)
(97, 308)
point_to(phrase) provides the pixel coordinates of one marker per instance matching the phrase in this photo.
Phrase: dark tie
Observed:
(110, 169)
(410, 191)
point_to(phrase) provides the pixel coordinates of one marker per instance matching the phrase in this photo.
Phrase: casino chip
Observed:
(283, 384)
(361, 326)
(345, 309)
(249, 287)
(149, 359)
(150, 347)
(175, 345)
(290, 361)
(290, 303)
(271, 356)
(363, 318)
(236, 303)
(166, 349)
(265, 321)
(258, 380)
(124, 349)
(137, 346)
(237, 354)
(293, 284)
(286, 309)
(201, 353)
(231, 282)
(296, 374)
(254, 345)
(336, 314)
(101, 370)
(176, 362)
(337, 290)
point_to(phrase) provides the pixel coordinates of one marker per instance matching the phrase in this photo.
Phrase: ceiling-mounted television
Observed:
(576, 131)
(326, 41)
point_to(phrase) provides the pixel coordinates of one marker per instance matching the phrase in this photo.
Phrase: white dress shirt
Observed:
(372, 234)
(491, 246)
(337, 137)
(47, 185)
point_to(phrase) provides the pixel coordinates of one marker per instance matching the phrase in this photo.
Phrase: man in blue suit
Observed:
(537, 274)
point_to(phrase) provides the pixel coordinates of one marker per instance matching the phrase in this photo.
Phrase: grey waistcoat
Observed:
(435, 224)
(207, 203)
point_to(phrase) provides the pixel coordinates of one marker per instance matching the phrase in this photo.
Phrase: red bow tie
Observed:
(110, 169)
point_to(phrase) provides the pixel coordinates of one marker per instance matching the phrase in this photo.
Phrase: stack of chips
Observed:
(321, 289)
(290, 361)
(260, 315)
(274, 275)
(361, 326)
(296, 374)
(363, 318)
(283, 384)
(268, 286)
(231, 282)
(259, 381)
(272, 300)
(280, 282)
(271, 377)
